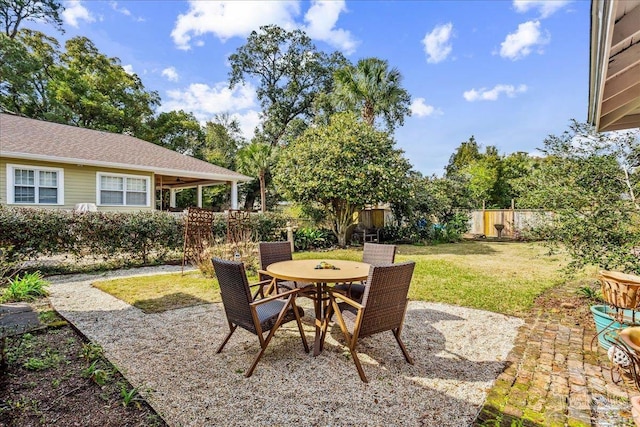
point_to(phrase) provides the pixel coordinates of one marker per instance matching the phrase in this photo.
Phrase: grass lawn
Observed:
(503, 277)
(160, 292)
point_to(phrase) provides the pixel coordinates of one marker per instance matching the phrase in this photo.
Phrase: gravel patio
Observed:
(459, 353)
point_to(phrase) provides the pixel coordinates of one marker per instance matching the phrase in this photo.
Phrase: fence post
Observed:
(290, 236)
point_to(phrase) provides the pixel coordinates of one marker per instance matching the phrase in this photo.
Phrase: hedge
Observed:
(30, 233)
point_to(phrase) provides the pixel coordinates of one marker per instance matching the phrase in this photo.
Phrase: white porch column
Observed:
(172, 197)
(199, 196)
(234, 194)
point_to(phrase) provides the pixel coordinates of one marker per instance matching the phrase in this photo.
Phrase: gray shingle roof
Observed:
(39, 140)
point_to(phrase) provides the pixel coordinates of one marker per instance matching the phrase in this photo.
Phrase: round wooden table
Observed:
(305, 271)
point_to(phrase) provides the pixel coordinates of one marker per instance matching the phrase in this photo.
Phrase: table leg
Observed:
(319, 319)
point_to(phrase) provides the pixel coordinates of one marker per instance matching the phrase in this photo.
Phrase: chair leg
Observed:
(396, 333)
(299, 322)
(351, 340)
(325, 325)
(363, 377)
(232, 330)
(264, 343)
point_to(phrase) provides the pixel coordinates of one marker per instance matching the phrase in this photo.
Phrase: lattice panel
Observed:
(238, 227)
(198, 234)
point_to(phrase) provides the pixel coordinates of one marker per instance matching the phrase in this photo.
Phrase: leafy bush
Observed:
(30, 233)
(423, 230)
(25, 288)
(124, 237)
(307, 238)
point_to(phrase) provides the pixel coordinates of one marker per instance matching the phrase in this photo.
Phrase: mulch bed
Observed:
(48, 381)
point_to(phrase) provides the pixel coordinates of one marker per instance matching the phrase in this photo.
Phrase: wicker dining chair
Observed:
(254, 315)
(272, 252)
(383, 308)
(374, 254)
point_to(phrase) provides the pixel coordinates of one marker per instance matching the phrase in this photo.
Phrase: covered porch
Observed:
(176, 183)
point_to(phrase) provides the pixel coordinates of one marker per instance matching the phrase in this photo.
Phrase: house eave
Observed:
(97, 163)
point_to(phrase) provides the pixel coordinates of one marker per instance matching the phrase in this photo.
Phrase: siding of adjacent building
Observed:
(79, 184)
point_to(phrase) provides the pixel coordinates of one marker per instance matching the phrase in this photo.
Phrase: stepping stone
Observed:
(17, 318)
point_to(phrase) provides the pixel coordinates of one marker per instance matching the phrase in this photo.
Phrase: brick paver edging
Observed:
(553, 377)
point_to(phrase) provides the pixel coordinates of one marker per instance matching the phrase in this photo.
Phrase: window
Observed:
(123, 190)
(34, 185)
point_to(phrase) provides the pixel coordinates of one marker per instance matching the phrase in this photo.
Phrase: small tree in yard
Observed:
(590, 182)
(342, 166)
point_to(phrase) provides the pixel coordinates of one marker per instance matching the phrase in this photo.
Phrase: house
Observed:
(614, 72)
(52, 165)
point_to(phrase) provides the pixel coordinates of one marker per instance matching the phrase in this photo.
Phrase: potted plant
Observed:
(621, 293)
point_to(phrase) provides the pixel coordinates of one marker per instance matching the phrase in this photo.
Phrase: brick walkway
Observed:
(554, 378)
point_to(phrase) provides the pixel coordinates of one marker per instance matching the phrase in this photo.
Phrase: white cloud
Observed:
(205, 100)
(226, 19)
(420, 109)
(128, 68)
(74, 12)
(321, 19)
(519, 44)
(545, 7)
(436, 43)
(492, 94)
(122, 10)
(171, 74)
(249, 121)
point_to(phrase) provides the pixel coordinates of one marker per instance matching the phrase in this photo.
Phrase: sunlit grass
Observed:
(504, 277)
(162, 292)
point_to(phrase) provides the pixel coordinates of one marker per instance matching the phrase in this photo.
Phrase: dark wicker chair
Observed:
(256, 316)
(272, 252)
(374, 254)
(383, 308)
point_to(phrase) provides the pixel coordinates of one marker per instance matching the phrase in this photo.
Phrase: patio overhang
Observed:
(175, 182)
(614, 74)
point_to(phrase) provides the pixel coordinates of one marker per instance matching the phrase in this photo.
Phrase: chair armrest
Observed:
(335, 294)
(260, 291)
(261, 283)
(274, 297)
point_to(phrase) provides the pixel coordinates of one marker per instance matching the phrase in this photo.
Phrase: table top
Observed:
(303, 270)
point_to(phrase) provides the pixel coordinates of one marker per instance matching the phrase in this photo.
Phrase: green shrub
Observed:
(29, 233)
(307, 238)
(25, 288)
(124, 237)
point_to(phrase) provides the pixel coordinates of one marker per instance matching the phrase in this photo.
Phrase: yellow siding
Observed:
(79, 184)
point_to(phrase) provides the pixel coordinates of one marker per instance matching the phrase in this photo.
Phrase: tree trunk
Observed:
(343, 219)
(368, 113)
(263, 193)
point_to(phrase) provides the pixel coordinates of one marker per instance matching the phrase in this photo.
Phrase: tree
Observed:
(91, 90)
(342, 167)
(589, 180)
(488, 174)
(176, 130)
(290, 73)
(26, 64)
(222, 140)
(255, 160)
(373, 89)
(465, 154)
(14, 12)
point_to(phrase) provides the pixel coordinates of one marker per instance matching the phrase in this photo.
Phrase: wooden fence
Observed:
(513, 221)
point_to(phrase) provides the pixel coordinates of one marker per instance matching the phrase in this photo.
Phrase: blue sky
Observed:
(508, 72)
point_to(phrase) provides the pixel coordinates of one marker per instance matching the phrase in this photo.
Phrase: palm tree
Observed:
(373, 89)
(255, 160)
